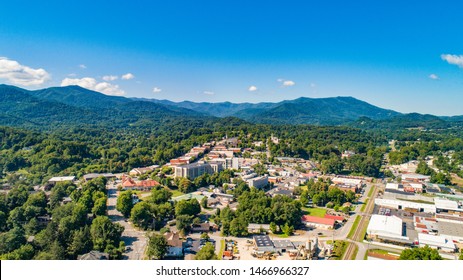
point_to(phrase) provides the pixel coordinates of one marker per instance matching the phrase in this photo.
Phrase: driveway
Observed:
(133, 238)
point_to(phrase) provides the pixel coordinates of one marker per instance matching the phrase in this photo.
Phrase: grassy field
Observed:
(318, 212)
(222, 248)
(457, 180)
(354, 255)
(354, 227)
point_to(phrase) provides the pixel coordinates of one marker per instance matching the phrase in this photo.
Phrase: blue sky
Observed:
(388, 53)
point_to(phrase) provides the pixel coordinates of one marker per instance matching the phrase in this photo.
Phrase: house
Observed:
(180, 161)
(259, 228)
(130, 184)
(317, 222)
(94, 255)
(203, 227)
(347, 154)
(142, 170)
(55, 180)
(175, 249)
(66, 200)
(281, 191)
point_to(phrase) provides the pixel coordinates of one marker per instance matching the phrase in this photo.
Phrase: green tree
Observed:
(187, 207)
(142, 215)
(204, 202)
(207, 252)
(105, 233)
(420, 253)
(99, 208)
(273, 227)
(25, 252)
(124, 203)
(441, 178)
(11, 240)
(160, 196)
(239, 227)
(183, 223)
(287, 229)
(424, 169)
(157, 246)
(81, 242)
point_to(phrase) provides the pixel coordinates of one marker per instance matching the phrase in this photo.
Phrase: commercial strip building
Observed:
(318, 222)
(404, 205)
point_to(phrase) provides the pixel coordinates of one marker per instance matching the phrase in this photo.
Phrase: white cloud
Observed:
(92, 84)
(286, 83)
(252, 88)
(313, 85)
(156, 90)
(208, 92)
(433, 77)
(82, 66)
(453, 59)
(128, 76)
(22, 75)
(109, 78)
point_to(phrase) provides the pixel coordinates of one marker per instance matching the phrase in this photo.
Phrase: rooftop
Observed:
(263, 241)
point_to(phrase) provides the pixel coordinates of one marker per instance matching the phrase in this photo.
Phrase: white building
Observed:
(393, 186)
(436, 242)
(55, 180)
(447, 205)
(416, 177)
(401, 204)
(258, 182)
(388, 227)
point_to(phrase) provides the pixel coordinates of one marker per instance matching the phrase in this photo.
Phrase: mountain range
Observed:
(74, 105)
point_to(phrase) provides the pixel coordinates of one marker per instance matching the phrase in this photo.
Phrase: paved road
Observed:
(134, 239)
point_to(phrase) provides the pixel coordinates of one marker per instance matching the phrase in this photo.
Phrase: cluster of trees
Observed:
(36, 227)
(420, 253)
(150, 213)
(324, 195)
(436, 177)
(256, 207)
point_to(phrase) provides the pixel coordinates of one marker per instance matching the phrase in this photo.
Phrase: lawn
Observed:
(317, 212)
(222, 248)
(372, 189)
(176, 193)
(457, 180)
(364, 205)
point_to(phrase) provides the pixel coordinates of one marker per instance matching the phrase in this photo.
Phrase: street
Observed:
(135, 240)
